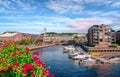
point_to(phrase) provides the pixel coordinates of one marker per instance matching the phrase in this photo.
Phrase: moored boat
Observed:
(88, 61)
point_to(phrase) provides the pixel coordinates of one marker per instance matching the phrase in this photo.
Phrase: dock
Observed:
(103, 60)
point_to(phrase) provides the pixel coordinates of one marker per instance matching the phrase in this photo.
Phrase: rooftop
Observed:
(7, 34)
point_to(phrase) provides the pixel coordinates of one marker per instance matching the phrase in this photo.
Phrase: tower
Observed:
(44, 35)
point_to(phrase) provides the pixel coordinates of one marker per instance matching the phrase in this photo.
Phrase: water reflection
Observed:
(76, 63)
(102, 70)
(43, 54)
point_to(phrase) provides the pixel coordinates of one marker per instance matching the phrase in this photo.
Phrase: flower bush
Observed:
(21, 62)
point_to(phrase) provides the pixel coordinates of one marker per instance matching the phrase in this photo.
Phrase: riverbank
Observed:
(34, 47)
(38, 47)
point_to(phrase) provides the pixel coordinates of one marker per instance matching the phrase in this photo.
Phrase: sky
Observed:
(32, 16)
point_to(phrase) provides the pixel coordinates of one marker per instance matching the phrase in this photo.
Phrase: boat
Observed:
(70, 55)
(114, 60)
(69, 49)
(79, 56)
(88, 61)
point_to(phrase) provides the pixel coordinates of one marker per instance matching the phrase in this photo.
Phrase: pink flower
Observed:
(28, 66)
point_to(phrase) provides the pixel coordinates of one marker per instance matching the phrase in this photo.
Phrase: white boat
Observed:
(69, 49)
(88, 61)
(70, 55)
(116, 59)
(79, 56)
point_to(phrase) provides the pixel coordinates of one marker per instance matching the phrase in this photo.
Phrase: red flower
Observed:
(20, 53)
(16, 64)
(1, 71)
(11, 67)
(43, 64)
(32, 73)
(17, 48)
(14, 53)
(24, 71)
(36, 59)
(40, 63)
(46, 72)
(28, 66)
(52, 75)
(36, 53)
(27, 50)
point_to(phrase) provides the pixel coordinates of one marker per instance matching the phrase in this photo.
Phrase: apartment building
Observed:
(118, 35)
(100, 35)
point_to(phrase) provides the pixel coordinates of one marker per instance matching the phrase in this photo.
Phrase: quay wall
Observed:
(44, 46)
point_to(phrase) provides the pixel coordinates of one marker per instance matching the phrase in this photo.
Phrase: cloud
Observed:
(116, 21)
(17, 5)
(22, 28)
(77, 6)
(85, 23)
(115, 17)
(116, 4)
(57, 22)
(63, 6)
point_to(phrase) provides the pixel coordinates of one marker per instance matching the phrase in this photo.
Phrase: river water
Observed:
(61, 66)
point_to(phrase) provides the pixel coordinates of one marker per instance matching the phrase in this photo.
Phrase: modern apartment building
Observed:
(118, 35)
(100, 35)
(113, 37)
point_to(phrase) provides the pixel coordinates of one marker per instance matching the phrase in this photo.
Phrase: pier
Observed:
(103, 60)
(105, 52)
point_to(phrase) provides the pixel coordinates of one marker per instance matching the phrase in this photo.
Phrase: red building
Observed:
(17, 36)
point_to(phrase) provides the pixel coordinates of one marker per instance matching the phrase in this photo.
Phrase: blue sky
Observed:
(31, 16)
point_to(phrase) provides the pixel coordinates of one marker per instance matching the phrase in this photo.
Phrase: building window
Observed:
(100, 37)
(100, 40)
(101, 30)
(106, 36)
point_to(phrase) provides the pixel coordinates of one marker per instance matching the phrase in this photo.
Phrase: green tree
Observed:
(76, 38)
(25, 41)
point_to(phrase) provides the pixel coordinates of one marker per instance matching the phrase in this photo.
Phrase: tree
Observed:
(71, 42)
(25, 41)
(76, 38)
